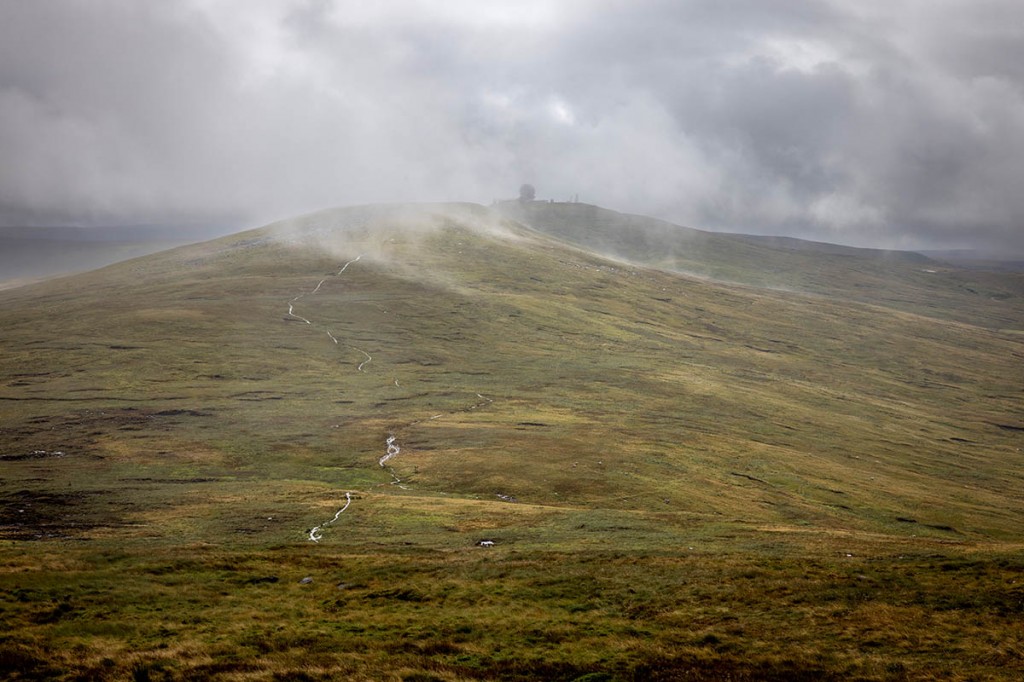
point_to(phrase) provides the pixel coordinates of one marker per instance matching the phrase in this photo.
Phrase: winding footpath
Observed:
(317, 532)
(392, 452)
(293, 314)
(365, 362)
(392, 449)
(291, 308)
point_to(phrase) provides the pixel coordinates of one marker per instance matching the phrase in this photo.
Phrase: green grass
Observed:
(684, 479)
(904, 281)
(202, 611)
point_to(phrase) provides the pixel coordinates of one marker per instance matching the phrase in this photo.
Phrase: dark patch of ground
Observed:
(75, 433)
(39, 515)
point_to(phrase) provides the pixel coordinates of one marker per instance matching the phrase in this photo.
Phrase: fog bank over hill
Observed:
(30, 253)
(961, 286)
(886, 125)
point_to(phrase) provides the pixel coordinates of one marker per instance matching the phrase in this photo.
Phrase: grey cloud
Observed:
(889, 123)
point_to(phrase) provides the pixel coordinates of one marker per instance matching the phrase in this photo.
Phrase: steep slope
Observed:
(904, 281)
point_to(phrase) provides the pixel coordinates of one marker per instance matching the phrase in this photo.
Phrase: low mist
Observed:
(866, 124)
(389, 236)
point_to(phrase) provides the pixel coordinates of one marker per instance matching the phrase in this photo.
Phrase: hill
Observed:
(29, 254)
(901, 280)
(679, 477)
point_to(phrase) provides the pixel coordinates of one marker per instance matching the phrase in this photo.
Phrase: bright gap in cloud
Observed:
(466, 14)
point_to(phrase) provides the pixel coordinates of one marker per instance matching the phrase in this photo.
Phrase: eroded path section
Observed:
(392, 449)
(316, 533)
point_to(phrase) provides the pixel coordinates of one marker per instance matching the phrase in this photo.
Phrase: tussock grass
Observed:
(784, 611)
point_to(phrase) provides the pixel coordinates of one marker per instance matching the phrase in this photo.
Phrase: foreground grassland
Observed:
(681, 479)
(775, 609)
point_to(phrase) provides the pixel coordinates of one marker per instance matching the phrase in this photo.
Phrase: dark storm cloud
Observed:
(894, 123)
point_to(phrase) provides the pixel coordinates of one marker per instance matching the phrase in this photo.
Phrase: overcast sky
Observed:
(893, 123)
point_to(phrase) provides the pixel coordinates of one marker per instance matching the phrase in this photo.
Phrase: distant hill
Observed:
(31, 253)
(981, 260)
(901, 280)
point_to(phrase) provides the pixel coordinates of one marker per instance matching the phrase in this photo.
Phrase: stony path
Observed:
(317, 532)
(392, 449)
(293, 314)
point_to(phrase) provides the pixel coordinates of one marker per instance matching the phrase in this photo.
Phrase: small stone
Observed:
(306, 581)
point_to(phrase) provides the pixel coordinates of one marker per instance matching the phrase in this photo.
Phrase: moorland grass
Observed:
(789, 610)
(683, 479)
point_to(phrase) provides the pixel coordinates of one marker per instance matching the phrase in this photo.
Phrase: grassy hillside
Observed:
(900, 280)
(682, 479)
